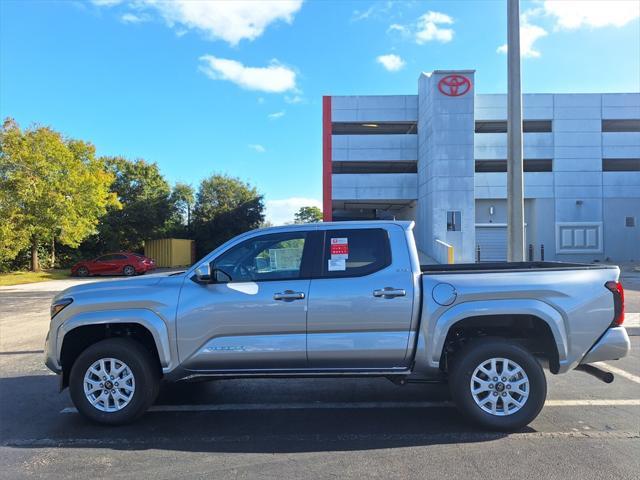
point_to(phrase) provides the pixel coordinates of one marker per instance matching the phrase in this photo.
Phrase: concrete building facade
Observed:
(439, 158)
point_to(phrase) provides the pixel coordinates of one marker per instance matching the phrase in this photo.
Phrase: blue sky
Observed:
(204, 87)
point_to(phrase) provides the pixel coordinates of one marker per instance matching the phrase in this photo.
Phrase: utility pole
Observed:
(515, 183)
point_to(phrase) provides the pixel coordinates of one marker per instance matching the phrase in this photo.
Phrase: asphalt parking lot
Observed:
(291, 429)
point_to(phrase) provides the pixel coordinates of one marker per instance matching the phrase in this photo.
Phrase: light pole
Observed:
(515, 183)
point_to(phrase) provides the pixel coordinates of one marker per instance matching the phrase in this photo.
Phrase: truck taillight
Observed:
(618, 302)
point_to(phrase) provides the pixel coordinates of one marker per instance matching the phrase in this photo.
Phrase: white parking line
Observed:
(619, 371)
(590, 403)
(229, 407)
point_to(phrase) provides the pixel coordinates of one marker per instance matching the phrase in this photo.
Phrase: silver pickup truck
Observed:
(336, 299)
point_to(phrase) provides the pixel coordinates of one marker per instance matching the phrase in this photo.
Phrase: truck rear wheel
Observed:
(114, 381)
(497, 384)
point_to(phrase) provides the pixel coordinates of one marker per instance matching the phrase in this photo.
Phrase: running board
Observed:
(297, 374)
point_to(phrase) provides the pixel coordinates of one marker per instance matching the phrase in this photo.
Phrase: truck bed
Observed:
(510, 266)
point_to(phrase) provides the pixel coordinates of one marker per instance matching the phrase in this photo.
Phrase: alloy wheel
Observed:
(109, 384)
(500, 386)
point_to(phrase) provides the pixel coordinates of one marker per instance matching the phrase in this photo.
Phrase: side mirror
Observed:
(202, 274)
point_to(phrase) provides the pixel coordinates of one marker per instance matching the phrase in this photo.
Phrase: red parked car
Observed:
(127, 264)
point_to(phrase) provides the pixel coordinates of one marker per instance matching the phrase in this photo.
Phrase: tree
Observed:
(146, 207)
(183, 198)
(224, 207)
(308, 215)
(51, 189)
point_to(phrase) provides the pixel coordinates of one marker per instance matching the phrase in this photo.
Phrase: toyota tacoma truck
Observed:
(332, 300)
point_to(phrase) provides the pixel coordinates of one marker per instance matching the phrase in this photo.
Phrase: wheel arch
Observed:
(87, 328)
(505, 319)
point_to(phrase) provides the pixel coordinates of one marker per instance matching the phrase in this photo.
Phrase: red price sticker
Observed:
(339, 248)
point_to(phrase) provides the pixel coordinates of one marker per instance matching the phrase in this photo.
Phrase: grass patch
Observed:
(18, 278)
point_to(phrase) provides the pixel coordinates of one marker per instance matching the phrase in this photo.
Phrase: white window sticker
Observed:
(337, 264)
(339, 248)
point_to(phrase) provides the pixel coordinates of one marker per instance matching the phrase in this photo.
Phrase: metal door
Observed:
(255, 321)
(360, 312)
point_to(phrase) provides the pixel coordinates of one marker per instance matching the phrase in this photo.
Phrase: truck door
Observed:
(253, 317)
(361, 300)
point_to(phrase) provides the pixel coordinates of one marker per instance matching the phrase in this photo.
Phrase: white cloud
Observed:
(592, 13)
(293, 99)
(376, 10)
(529, 33)
(428, 28)
(283, 211)
(276, 115)
(132, 18)
(362, 14)
(391, 62)
(401, 29)
(257, 147)
(106, 3)
(275, 78)
(571, 15)
(231, 21)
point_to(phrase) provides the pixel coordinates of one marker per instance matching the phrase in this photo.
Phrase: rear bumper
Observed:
(613, 345)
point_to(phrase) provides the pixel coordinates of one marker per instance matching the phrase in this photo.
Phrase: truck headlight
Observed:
(59, 305)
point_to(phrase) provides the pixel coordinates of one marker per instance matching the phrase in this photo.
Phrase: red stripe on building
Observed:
(327, 209)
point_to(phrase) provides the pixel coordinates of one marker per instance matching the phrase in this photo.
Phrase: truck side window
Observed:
(275, 256)
(354, 253)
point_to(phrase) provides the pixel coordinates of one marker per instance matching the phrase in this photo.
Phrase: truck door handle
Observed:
(288, 295)
(390, 292)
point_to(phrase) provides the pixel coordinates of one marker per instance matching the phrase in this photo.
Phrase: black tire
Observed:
(463, 366)
(142, 365)
(82, 272)
(128, 271)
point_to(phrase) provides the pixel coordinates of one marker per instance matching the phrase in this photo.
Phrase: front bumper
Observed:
(613, 345)
(50, 357)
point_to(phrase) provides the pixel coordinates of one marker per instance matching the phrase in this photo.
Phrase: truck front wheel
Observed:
(497, 384)
(114, 381)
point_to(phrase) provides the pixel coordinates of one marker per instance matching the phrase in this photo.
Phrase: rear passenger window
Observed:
(353, 253)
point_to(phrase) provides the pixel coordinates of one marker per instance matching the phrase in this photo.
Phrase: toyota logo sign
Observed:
(454, 85)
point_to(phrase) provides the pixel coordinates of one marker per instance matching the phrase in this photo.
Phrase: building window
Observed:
(374, 128)
(630, 221)
(375, 167)
(621, 164)
(623, 125)
(534, 165)
(454, 221)
(500, 126)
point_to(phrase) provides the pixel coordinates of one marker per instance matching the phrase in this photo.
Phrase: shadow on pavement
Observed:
(35, 420)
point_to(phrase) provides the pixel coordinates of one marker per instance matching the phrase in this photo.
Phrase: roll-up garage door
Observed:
(492, 242)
